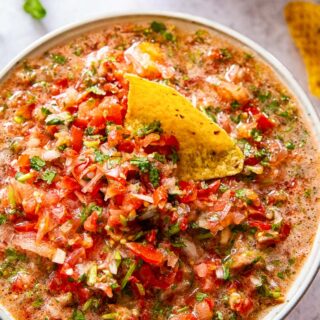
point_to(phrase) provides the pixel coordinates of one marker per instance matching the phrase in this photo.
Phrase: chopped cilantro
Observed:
(235, 119)
(223, 188)
(256, 135)
(12, 255)
(174, 229)
(281, 275)
(45, 111)
(201, 296)
(54, 122)
(89, 131)
(3, 219)
(58, 58)
(48, 176)
(226, 272)
(241, 193)
(142, 163)
(169, 36)
(78, 51)
(78, 315)
(154, 126)
(159, 157)
(96, 90)
(290, 145)
(235, 105)
(263, 96)
(62, 147)
(129, 273)
(154, 176)
(38, 302)
(178, 243)
(100, 157)
(174, 156)
(37, 163)
(248, 56)
(158, 26)
(285, 98)
(219, 315)
(35, 9)
(225, 53)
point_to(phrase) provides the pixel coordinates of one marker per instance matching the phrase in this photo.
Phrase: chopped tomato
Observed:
(91, 222)
(203, 194)
(147, 253)
(76, 138)
(24, 161)
(260, 225)
(264, 123)
(115, 114)
(160, 197)
(126, 146)
(25, 226)
(190, 192)
(244, 307)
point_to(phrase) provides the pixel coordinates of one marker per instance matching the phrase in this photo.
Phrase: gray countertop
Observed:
(260, 20)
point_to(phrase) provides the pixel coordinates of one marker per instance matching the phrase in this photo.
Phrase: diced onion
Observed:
(143, 197)
(59, 256)
(49, 155)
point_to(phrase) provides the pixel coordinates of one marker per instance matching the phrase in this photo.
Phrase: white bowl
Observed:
(190, 22)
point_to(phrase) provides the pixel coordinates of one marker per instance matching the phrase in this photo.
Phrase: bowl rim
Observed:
(309, 269)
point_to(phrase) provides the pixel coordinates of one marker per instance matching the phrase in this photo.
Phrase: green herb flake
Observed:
(226, 272)
(89, 131)
(3, 219)
(235, 105)
(174, 157)
(38, 302)
(174, 229)
(78, 51)
(142, 163)
(225, 54)
(263, 96)
(219, 315)
(37, 163)
(241, 193)
(48, 176)
(154, 176)
(290, 145)
(110, 316)
(159, 157)
(54, 122)
(256, 135)
(158, 26)
(154, 126)
(129, 273)
(58, 58)
(201, 296)
(78, 315)
(35, 9)
(96, 90)
(100, 157)
(45, 111)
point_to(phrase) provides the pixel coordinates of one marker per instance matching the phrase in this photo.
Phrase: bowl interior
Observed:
(191, 23)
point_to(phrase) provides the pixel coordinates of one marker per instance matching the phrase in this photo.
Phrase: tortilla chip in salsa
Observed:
(206, 150)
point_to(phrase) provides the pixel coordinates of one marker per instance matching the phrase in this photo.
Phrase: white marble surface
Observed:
(261, 20)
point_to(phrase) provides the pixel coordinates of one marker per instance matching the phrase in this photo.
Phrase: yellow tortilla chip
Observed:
(303, 20)
(206, 150)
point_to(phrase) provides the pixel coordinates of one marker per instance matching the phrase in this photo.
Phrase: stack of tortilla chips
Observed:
(303, 20)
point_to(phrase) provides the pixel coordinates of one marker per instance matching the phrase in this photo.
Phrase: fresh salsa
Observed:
(95, 222)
